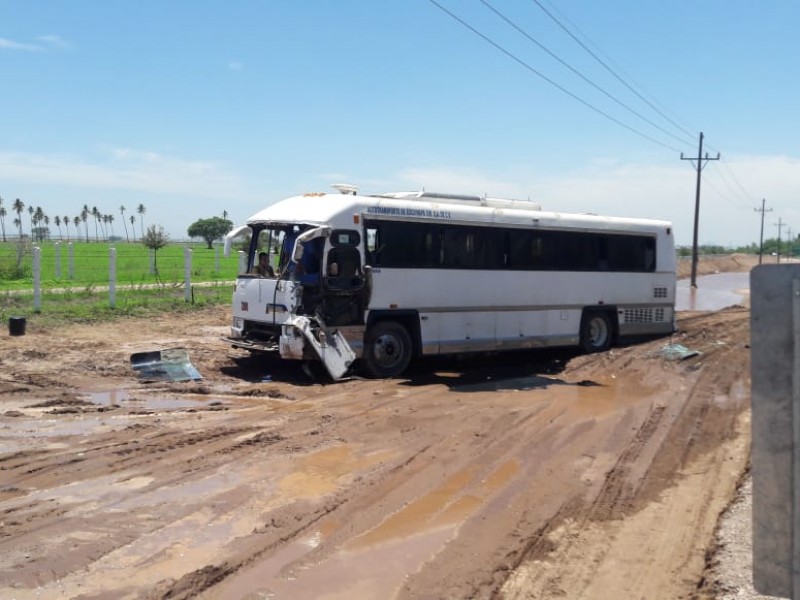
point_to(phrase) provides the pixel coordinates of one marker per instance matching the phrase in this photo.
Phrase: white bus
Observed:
(390, 277)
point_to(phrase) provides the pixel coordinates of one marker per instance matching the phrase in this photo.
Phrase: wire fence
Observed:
(88, 264)
(58, 278)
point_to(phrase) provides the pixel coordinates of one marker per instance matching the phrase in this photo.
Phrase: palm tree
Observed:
(31, 210)
(133, 229)
(18, 207)
(47, 227)
(122, 214)
(141, 210)
(96, 215)
(66, 224)
(77, 222)
(3, 218)
(103, 223)
(38, 217)
(57, 221)
(111, 222)
(85, 218)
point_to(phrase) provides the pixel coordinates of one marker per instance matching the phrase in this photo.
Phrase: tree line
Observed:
(39, 222)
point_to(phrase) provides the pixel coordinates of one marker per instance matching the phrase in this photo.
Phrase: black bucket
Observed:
(16, 326)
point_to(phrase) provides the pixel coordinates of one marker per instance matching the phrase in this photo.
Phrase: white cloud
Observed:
(235, 65)
(12, 45)
(123, 169)
(635, 190)
(54, 41)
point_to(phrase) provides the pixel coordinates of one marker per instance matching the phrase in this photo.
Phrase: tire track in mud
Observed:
(707, 418)
(374, 498)
(618, 492)
(207, 577)
(220, 446)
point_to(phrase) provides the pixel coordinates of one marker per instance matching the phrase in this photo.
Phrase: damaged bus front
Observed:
(307, 302)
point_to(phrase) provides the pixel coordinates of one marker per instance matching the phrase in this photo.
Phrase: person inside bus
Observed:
(307, 270)
(263, 268)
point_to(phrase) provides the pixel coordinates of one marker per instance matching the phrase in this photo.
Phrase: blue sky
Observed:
(195, 108)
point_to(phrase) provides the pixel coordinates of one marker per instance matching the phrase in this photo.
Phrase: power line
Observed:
(609, 69)
(746, 194)
(729, 199)
(579, 74)
(548, 80)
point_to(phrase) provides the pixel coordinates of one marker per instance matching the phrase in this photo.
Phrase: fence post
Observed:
(152, 262)
(187, 272)
(37, 279)
(216, 259)
(112, 277)
(58, 259)
(242, 261)
(71, 260)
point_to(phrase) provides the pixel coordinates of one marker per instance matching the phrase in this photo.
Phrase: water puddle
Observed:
(713, 292)
(376, 572)
(78, 425)
(531, 382)
(318, 474)
(582, 398)
(376, 563)
(126, 398)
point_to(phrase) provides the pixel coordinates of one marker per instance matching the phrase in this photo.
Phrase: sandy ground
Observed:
(531, 475)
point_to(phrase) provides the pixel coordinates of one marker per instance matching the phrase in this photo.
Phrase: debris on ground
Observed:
(676, 352)
(172, 364)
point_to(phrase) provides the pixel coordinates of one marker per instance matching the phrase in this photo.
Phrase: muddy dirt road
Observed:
(533, 475)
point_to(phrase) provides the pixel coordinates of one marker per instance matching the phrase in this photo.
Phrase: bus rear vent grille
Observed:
(644, 315)
(659, 292)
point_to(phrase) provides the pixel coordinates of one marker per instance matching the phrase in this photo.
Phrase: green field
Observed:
(91, 264)
(84, 297)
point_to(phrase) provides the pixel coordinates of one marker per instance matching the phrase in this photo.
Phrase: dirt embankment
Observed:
(728, 263)
(530, 475)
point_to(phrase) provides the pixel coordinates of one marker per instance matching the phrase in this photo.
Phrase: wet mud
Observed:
(528, 475)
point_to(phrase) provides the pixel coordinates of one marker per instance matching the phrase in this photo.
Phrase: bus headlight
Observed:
(238, 322)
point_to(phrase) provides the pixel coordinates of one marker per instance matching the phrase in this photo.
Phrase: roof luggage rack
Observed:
(465, 198)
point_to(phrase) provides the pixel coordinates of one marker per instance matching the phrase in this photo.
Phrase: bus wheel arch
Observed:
(388, 348)
(598, 327)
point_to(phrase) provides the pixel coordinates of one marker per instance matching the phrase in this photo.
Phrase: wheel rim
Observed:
(388, 350)
(598, 332)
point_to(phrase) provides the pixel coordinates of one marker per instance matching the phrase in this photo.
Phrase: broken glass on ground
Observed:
(676, 352)
(172, 364)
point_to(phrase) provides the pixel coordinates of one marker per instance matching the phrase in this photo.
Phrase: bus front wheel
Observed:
(596, 331)
(387, 349)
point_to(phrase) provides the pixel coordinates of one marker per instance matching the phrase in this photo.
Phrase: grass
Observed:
(90, 305)
(84, 298)
(91, 264)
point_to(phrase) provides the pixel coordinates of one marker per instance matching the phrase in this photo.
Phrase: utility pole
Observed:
(762, 210)
(789, 252)
(701, 162)
(779, 224)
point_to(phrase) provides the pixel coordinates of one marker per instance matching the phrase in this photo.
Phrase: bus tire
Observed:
(387, 349)
(596, 331)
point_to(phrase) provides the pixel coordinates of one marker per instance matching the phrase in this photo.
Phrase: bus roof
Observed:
(343, 210)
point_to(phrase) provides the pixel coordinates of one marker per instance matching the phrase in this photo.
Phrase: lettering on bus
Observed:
(409, 212)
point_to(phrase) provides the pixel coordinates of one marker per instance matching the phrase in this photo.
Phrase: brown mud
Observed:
(524, 475)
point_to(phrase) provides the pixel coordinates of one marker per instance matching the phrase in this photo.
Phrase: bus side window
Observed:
(372, 246)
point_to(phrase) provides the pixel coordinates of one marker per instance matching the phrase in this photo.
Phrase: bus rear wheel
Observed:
(596, 331)
(387, 349)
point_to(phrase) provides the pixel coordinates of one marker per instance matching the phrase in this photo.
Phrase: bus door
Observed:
(344, 285)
